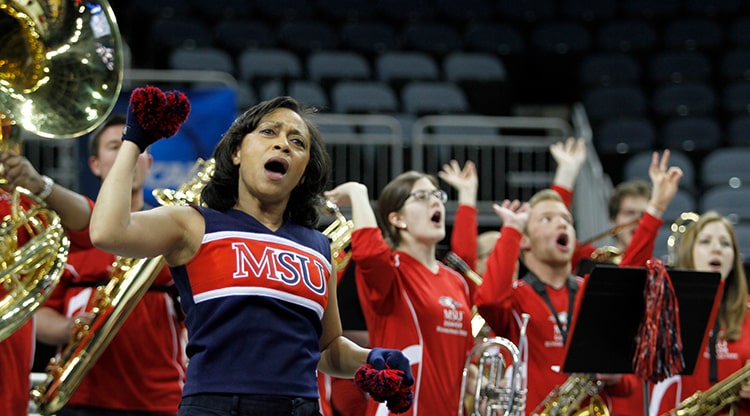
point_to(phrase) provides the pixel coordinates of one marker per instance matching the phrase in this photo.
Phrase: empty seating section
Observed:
(513, 150)
(651, 75)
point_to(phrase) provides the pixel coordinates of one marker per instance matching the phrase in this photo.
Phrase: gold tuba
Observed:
(34, 252)
(111, 305)
(60, 75)
(492, 393)
(61, 65)
(339, 232)
(717, 398)
(566, 399)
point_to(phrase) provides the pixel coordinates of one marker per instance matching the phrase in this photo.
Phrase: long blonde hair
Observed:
(733, 305)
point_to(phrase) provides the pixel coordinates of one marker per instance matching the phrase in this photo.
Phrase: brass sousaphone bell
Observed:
(60, 76)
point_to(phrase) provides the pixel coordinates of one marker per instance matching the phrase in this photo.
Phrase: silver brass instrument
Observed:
(110, 306)
(719, 397)
(492, 393)
(566, 399)
(339, 232)
(60, 76)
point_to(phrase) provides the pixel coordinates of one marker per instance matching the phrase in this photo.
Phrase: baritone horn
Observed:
(339, 233)
(60, 75)
(609, 254)
(479, 328)
(494, 379)
(111, 305)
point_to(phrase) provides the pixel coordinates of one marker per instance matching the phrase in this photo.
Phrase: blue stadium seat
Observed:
(739, 32)
(370, 38)
(308, 93)
(622, 136)
(464, 66)
(401, 66)
(360, 97)
(612, 102)
(648, 9)
(180, 32)
(205, 58)
(435, 97)
(684, 100)
(735, 65)
(262, 64)
(528, 11)
(329, 65)
(588, 10)
(561, 37)
(627, 36)
(728, 166)
(735, 98)
(306, 36)
(338, 11)
(494, 37)
(691, 134)
(483, 78)
(730, 202)
(404, 11)
(609, 68)
(219, 10)
(237, 35)
(738, 131)
(715, 8)
(693, 34)
(679, 67)
(431, 37)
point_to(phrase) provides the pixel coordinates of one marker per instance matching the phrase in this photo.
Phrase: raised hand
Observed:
(153, 115)
(513, 213)
(665, 180)
(570, 156)
(460, 179)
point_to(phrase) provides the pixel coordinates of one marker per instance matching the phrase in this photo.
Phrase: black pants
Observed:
(96, 411)
(247, 405)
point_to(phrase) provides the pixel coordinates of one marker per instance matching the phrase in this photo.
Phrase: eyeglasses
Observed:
(423, 195)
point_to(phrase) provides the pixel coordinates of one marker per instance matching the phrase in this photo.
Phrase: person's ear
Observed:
(395, 220)
(525, 243)
(94, 166)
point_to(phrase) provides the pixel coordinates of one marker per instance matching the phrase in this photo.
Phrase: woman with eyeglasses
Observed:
(411, 301)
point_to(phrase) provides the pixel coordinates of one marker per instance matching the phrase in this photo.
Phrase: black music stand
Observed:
(611, 307)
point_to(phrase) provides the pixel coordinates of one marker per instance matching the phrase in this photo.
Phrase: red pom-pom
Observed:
(159, 114)
(385, 386)
(400, 402)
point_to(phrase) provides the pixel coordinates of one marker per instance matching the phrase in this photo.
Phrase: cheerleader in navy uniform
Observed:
(253, 273)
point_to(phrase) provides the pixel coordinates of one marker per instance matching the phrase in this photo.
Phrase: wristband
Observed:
(657, 206)
(48, 184)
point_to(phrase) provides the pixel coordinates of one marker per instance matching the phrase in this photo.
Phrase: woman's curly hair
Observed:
(304, 204)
